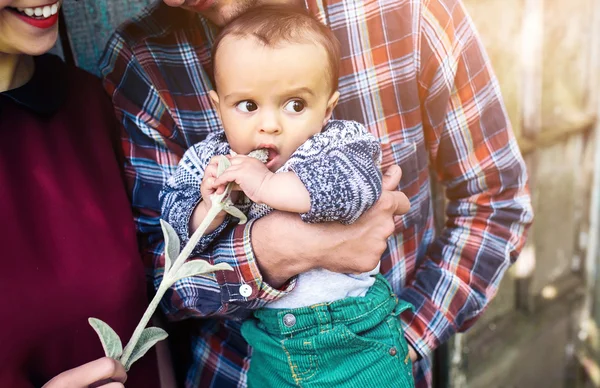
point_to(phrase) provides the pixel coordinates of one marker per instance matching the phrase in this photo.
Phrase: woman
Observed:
(67, 240)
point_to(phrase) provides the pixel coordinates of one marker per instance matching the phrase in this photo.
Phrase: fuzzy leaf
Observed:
(260, 154)
(224, 164)
(109, 339)
(200, 267)
(237, 213)
(172, 244)
(149, 337)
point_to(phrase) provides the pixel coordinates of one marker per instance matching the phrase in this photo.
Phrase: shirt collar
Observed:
(45, 92)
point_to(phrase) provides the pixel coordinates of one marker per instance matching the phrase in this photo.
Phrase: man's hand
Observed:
(285, 246)
(412, 354)
(103, 372)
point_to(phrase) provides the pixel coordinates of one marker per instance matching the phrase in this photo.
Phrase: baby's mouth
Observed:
(272, 154)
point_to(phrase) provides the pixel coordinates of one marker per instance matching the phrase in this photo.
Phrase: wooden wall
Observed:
(545, 53)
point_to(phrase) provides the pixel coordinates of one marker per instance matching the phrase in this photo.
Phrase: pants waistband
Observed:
(354, 312)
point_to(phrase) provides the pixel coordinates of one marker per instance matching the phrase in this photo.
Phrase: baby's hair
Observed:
(279, 24)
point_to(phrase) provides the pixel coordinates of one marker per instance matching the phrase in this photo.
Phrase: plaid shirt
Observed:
(415, 73)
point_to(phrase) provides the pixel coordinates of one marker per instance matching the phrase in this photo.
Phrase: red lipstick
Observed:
(35, 21)
(39, 23)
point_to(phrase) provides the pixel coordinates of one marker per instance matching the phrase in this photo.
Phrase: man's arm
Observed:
(476, 156)
(285, 246)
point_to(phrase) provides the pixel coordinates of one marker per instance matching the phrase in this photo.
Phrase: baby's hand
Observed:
(249, 174)
(209, 186)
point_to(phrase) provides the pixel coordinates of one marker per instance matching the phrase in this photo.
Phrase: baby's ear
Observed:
(333, 100)
(214, 97)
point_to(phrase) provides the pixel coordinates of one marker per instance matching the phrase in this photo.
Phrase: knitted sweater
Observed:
(339, 168)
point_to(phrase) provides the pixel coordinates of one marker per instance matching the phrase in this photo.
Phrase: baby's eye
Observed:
(294, 106)
(247, 106)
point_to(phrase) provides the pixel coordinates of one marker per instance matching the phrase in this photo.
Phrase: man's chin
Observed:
(191, 5)
(200, 5)
(219, 12)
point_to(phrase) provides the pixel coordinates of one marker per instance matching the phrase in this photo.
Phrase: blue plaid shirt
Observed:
(416, 75)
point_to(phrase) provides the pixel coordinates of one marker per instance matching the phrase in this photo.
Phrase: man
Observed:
(415, 73)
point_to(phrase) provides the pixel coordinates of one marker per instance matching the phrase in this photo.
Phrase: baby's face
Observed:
(273, 98)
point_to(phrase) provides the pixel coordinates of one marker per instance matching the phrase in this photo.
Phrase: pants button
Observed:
(393, 351)
(289, 320)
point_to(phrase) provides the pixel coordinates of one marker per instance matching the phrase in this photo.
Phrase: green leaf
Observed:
(199, 267)
(237, 213)
(109, 339)
(172, 244)
(149, 337)
(224, 164)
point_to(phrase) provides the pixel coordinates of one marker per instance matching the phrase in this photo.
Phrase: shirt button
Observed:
(289, 320)
(393, 351)
(245, 290)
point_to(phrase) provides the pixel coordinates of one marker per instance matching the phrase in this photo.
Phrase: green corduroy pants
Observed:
(353, 342)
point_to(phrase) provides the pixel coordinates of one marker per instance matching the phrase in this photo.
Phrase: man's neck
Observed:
(15, 70)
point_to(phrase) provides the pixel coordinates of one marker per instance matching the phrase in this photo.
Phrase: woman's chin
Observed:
(41, 46)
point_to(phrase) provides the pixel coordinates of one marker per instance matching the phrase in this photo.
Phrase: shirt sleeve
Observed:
(181, 193)
(153, 146)
(476, 157)
(340, 168)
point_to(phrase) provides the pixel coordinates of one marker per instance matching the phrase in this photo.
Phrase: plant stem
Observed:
(142, 324)
(168, 279)
(215, 209)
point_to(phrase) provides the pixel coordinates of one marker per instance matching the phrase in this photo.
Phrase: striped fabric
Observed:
(415, 73)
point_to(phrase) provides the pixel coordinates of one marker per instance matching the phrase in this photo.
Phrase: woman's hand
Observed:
(103, 372)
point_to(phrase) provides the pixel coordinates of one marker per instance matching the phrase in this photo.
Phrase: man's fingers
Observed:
(397, 201)
(391, 178)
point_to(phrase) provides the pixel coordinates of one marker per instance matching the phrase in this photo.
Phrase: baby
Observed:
(276, 78)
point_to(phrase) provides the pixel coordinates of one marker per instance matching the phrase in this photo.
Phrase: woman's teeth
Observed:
(40, 12)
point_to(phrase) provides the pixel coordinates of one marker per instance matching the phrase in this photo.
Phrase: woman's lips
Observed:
(42, 17)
